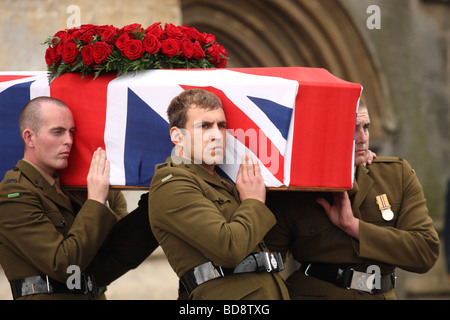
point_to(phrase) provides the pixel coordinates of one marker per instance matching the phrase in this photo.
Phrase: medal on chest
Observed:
(385, 207)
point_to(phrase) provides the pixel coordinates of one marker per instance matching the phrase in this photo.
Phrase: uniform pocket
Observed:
(373, 214)
(217, 198)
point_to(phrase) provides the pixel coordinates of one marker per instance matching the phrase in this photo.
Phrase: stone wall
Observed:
(25, 24)
(412, 50)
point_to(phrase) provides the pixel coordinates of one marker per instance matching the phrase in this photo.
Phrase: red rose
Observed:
(198, 54)
(187, 48)
(170, 47)
(217, 55)
(101, 51)
(133, 49)
(214, 54)
(86, 26)
(222, 63)
(87, 36)
(51, 56)
(173, 31)
(156, 30)
(108, 34)
(74, 34)
(151, 43)
(223, 57)
(121, 40)
(87, 54)
(206, 38)
(70, 52)
(63, 38)
(132, 28)
(60, 35)
(191, 33)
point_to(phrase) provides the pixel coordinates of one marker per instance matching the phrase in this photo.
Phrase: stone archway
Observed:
(282, 33)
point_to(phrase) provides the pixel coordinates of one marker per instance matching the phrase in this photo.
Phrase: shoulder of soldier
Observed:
(165, 172)
(391, 163)
(12, 176)
(12, 185)
(387, 160)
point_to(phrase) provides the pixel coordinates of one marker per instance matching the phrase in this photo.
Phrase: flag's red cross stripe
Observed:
(4, 78)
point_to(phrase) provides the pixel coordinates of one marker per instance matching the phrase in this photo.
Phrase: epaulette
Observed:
(388, 159)
(162, 165)
(12, 176)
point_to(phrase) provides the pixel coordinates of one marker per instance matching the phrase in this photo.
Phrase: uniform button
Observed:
(63, 223)
(221, 200)
(312, 230)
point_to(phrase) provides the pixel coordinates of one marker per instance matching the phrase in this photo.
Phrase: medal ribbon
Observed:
(383, 202)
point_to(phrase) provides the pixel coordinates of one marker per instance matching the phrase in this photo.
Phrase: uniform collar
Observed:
(51, 180)
(361, 186)
(37, 177)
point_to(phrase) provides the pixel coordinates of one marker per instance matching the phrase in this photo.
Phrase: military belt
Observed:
(349, 278)
(44, 284)
(255, 262)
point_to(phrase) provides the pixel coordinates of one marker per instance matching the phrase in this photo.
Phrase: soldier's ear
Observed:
(176, 135)
(28, 136)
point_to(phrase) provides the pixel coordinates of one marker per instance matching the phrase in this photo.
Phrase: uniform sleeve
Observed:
(118, 203)
(414, 244)
(28, 229)
(179, 207)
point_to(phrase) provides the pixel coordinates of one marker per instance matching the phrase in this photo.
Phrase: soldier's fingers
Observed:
(98, 162)
(340, 198)
(244, 166)
(324, 203)
(106, 170)
(101, 162)
(250, 165)
(95, 159)
(256, 167)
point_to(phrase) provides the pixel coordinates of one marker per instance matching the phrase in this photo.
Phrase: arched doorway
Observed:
(282, 33)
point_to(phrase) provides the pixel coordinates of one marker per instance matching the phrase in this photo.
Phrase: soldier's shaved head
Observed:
(30, 116)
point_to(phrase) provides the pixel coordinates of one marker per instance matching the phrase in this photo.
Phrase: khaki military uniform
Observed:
(42, 232)
(198, 217)
(408, 241)
(115, 200)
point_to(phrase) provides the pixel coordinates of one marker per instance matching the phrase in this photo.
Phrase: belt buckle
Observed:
(362, 281)
(88, 285)
(220, 271)
(273, 261)
(267, 261)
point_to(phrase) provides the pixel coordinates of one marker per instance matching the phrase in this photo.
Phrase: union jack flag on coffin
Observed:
(298, 122)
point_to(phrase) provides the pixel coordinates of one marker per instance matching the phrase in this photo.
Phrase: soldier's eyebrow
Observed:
(222, 123)
(210, 123)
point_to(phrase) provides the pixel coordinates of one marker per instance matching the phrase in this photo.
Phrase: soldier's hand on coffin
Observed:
(341, 214)
(98, 177)
(249, 181)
